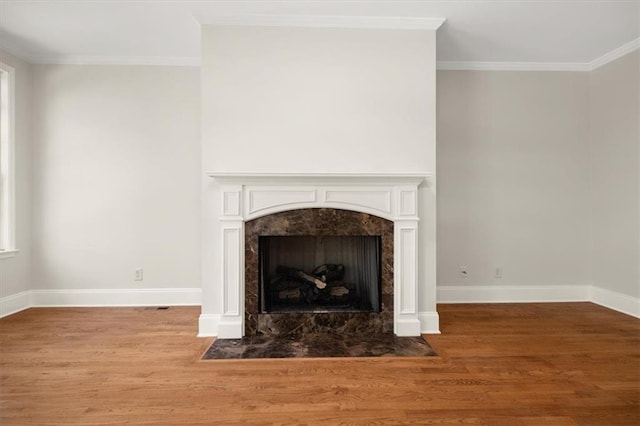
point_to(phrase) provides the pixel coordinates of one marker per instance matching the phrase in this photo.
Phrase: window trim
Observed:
(7, 164)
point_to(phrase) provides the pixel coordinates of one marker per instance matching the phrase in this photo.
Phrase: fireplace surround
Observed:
(244, 197)
(321, 226)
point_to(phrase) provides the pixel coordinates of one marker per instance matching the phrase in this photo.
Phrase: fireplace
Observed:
(378, 213)
(290, 255)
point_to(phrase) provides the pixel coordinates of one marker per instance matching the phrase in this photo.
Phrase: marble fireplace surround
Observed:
(319, 222)
(247, 196)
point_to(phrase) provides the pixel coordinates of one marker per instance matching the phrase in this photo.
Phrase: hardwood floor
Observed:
(503, 364)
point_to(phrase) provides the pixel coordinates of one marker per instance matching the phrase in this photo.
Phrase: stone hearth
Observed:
(319, 346)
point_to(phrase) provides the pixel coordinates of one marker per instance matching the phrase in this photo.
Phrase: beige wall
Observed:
(512, 177)
(116, 177)
(615, 174)
(15, 272)
(317, 99)
(538, 172)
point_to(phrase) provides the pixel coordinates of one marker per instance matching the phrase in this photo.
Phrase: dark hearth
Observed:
(319, 346)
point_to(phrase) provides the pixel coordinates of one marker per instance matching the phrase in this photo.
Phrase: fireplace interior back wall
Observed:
(319, 273)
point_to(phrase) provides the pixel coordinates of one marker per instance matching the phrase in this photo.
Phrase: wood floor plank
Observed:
(498, 364)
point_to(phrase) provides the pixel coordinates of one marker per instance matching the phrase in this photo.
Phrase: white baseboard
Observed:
(100, 298)
(407, 327)
(512, 293)
(117, 297)
(617, 301)
(15, 303)
(208, 325)
(229, 328)
(429, 322)
(540, 293)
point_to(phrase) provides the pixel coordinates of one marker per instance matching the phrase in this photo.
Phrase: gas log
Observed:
(329, 272)
(297, 273)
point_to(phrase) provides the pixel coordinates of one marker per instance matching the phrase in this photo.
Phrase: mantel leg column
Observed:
(405, 275)
(231, 324)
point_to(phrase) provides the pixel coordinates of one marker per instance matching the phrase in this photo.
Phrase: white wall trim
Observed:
(512, 293)
(177, 61)
(328, 21)
(15, 303)
(117, 297)
(615, 54)
(616, 301)
(208, 325)
(409, 23)
(541, 66)
(6, 254)
(429, 322)
(539, 293)
(100, 298)
(311, 21)
(7, 162)
(512, 66)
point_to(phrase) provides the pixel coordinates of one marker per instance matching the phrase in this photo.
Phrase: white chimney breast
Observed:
(312, 105)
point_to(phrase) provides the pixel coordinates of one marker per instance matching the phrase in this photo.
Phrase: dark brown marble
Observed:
(316, 345)
(325, 322)
(317, 222)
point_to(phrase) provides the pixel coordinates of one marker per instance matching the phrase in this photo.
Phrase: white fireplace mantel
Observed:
(246, 196)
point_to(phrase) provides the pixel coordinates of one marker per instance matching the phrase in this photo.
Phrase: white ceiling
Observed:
(508, 31)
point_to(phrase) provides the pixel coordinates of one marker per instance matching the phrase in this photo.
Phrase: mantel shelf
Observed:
(248, 178)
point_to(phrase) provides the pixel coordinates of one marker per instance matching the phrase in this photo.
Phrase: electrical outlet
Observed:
(463, 271)
(138, 275)
(498, 272)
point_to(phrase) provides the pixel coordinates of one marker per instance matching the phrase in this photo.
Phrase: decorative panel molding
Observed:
(231, 203)
(407, 269)
(408, 202)
(375, 199)
(387, 195)
(264, 200)
(232, 270)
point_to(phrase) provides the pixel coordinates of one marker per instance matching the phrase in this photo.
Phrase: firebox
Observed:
(319, 273)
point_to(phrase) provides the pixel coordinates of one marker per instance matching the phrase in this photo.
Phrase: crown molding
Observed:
(178, 61)
(329, 21)
(512, 66)
(541, 66)
(615, 54)
(193, 61)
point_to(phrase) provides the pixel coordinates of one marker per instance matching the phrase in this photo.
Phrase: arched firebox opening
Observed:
(318, 270)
